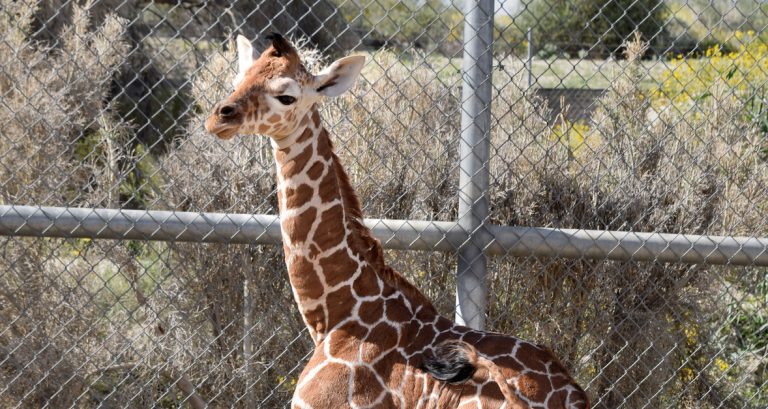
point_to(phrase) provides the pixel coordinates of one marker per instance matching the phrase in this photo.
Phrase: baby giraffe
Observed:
(379, 342)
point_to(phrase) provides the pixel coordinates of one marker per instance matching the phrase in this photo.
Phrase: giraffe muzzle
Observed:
(225, 121)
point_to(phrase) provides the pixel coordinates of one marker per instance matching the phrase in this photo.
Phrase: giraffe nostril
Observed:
(227, 111)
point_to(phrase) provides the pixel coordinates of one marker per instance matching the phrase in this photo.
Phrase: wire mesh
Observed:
(664, 131)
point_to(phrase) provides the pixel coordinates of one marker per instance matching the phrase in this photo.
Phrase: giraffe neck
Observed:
(333, 261)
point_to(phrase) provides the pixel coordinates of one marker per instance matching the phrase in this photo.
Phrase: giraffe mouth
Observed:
(222, 131)
(226, 133)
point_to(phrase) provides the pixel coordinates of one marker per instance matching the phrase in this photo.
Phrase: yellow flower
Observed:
(687, 374)
(721, 364)
(691, 333)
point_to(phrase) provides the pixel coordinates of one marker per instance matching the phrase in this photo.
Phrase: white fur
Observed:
(246, 55)
(345, 70)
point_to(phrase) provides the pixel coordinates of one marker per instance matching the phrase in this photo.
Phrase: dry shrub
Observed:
(627, 328)
(55, 123)
(53, 100)
(223, 317)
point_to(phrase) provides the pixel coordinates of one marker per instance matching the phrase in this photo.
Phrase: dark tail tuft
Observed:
(450, 363)
(455, 361)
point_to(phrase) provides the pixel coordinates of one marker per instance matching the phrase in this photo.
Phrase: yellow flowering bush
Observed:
(575, 136)
(692, 79)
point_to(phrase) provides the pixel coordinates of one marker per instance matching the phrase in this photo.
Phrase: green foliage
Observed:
(575, 25)
(748, 315)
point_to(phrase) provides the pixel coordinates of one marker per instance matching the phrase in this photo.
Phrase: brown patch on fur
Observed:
(280, 155)
(509, 363)
(366, 388)
(299, 226)
(367, 285)
(328, 191)
(559, 380)
(305, 135)
(473, 337)
(316, 318)
(324, 145)
(424, 337)
(557, 399)
(533, 357)
(305, 280)
(383, 335)
(296, 164)
(304, 121)
(323, 391)
(388, 289)
(316, 170)
(494, 344)
(295, 198)
(370, 311)
(392, 365)
(314, 251)
(492, 391)
(559, 377)
(396, 311)
(532, 386)
(338, 266)
(329, 233)
(337, 303)
(345, 341)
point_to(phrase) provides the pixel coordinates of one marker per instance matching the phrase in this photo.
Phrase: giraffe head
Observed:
(274, 94)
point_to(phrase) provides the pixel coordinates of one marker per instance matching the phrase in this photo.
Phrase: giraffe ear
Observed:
(246, 55)
(339, 76)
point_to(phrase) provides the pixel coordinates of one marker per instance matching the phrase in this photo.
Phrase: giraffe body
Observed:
(379, 343)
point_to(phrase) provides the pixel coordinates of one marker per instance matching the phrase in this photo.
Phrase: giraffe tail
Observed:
(456, 361)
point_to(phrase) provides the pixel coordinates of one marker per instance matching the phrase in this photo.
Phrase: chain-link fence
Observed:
(630, 236)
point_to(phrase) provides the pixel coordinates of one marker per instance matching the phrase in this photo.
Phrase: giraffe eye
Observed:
(286, 99)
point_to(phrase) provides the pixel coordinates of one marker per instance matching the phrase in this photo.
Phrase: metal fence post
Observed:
(529, 56)
(471, 289)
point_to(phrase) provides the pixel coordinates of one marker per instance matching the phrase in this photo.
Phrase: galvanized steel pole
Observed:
(529, 57)
(233, 228)
(471, 288)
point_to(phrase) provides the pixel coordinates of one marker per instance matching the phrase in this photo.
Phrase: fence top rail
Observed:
(117, 224)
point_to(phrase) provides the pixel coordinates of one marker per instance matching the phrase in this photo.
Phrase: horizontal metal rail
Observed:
(69, 222)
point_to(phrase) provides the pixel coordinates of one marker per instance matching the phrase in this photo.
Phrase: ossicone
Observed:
(280, 44)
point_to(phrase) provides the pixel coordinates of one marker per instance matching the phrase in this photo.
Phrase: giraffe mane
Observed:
(375, 256)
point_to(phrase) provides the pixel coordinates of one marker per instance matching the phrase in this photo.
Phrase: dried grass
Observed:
(232, 328)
